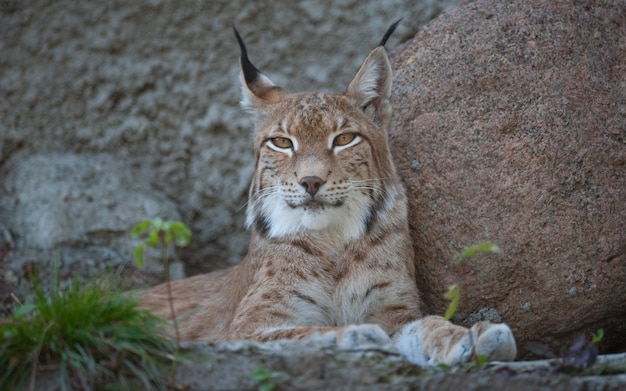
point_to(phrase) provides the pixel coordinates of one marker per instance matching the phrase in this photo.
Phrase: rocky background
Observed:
(510, 126)
(114, 112)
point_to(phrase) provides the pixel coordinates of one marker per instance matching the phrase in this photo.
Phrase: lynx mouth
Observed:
(316, 205)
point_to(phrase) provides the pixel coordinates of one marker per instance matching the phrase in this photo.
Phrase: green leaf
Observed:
(140, 228)
(139, 254)
(454, 295)
(442, 367)
(260, 374)
(480, 360)
(485, 247)
(153, 241)
(267, 380)
(181, 233)
(268, 386)
(25, 309)
(166, 226)
(597, 337)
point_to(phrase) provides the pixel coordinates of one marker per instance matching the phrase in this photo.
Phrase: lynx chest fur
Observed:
(330, 251)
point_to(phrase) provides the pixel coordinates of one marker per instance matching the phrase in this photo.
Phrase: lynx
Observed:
(330, 251)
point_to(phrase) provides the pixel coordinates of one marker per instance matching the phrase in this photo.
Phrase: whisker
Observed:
(242, 206)
(260, 195)
(369, 180)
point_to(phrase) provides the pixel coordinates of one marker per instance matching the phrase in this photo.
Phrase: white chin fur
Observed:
(346, 221)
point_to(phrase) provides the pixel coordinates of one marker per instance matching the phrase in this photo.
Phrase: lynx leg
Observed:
(434, 340)
(350, 337)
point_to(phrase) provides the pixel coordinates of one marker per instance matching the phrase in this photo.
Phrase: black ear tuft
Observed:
(250, 72)
(390, 31)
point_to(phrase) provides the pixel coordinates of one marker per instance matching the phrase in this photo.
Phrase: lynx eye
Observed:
(344, 139)
(282, 142)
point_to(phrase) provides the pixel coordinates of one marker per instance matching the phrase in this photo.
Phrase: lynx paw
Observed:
(494, 341)
(360, 335)
(433, 340)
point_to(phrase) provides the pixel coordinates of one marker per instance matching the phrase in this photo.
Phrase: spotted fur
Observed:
(330, 251)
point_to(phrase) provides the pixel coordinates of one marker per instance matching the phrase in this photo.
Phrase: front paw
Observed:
(359, 335)
(434, 340)
(494, 341)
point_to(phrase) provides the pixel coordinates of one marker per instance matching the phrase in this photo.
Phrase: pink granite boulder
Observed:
(510, 126)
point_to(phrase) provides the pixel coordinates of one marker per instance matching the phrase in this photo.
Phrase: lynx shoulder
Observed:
(330, 250)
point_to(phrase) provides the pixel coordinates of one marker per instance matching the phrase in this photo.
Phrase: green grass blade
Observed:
(470, 252)
(454, 295)
(89, 329)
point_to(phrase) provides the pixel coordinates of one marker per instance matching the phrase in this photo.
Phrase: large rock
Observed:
(153, 86)
(510, 126)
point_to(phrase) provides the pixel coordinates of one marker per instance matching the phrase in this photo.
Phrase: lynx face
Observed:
(316, 169)
(322, 160)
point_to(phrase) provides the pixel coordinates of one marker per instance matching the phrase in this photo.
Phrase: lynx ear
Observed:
(370, 89)
(258, 90)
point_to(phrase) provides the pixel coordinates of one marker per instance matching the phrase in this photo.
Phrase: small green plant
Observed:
(93, 333)
(481, 360)
(454, 295)
(597, 336)
(442, 367)
(454, 291)
(160, 234)
(472, 251)
(478, 362)
(267, 380)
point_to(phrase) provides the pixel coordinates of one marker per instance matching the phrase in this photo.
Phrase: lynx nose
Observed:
(311, 184)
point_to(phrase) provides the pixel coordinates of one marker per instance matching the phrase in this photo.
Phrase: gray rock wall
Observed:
(113, 112)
